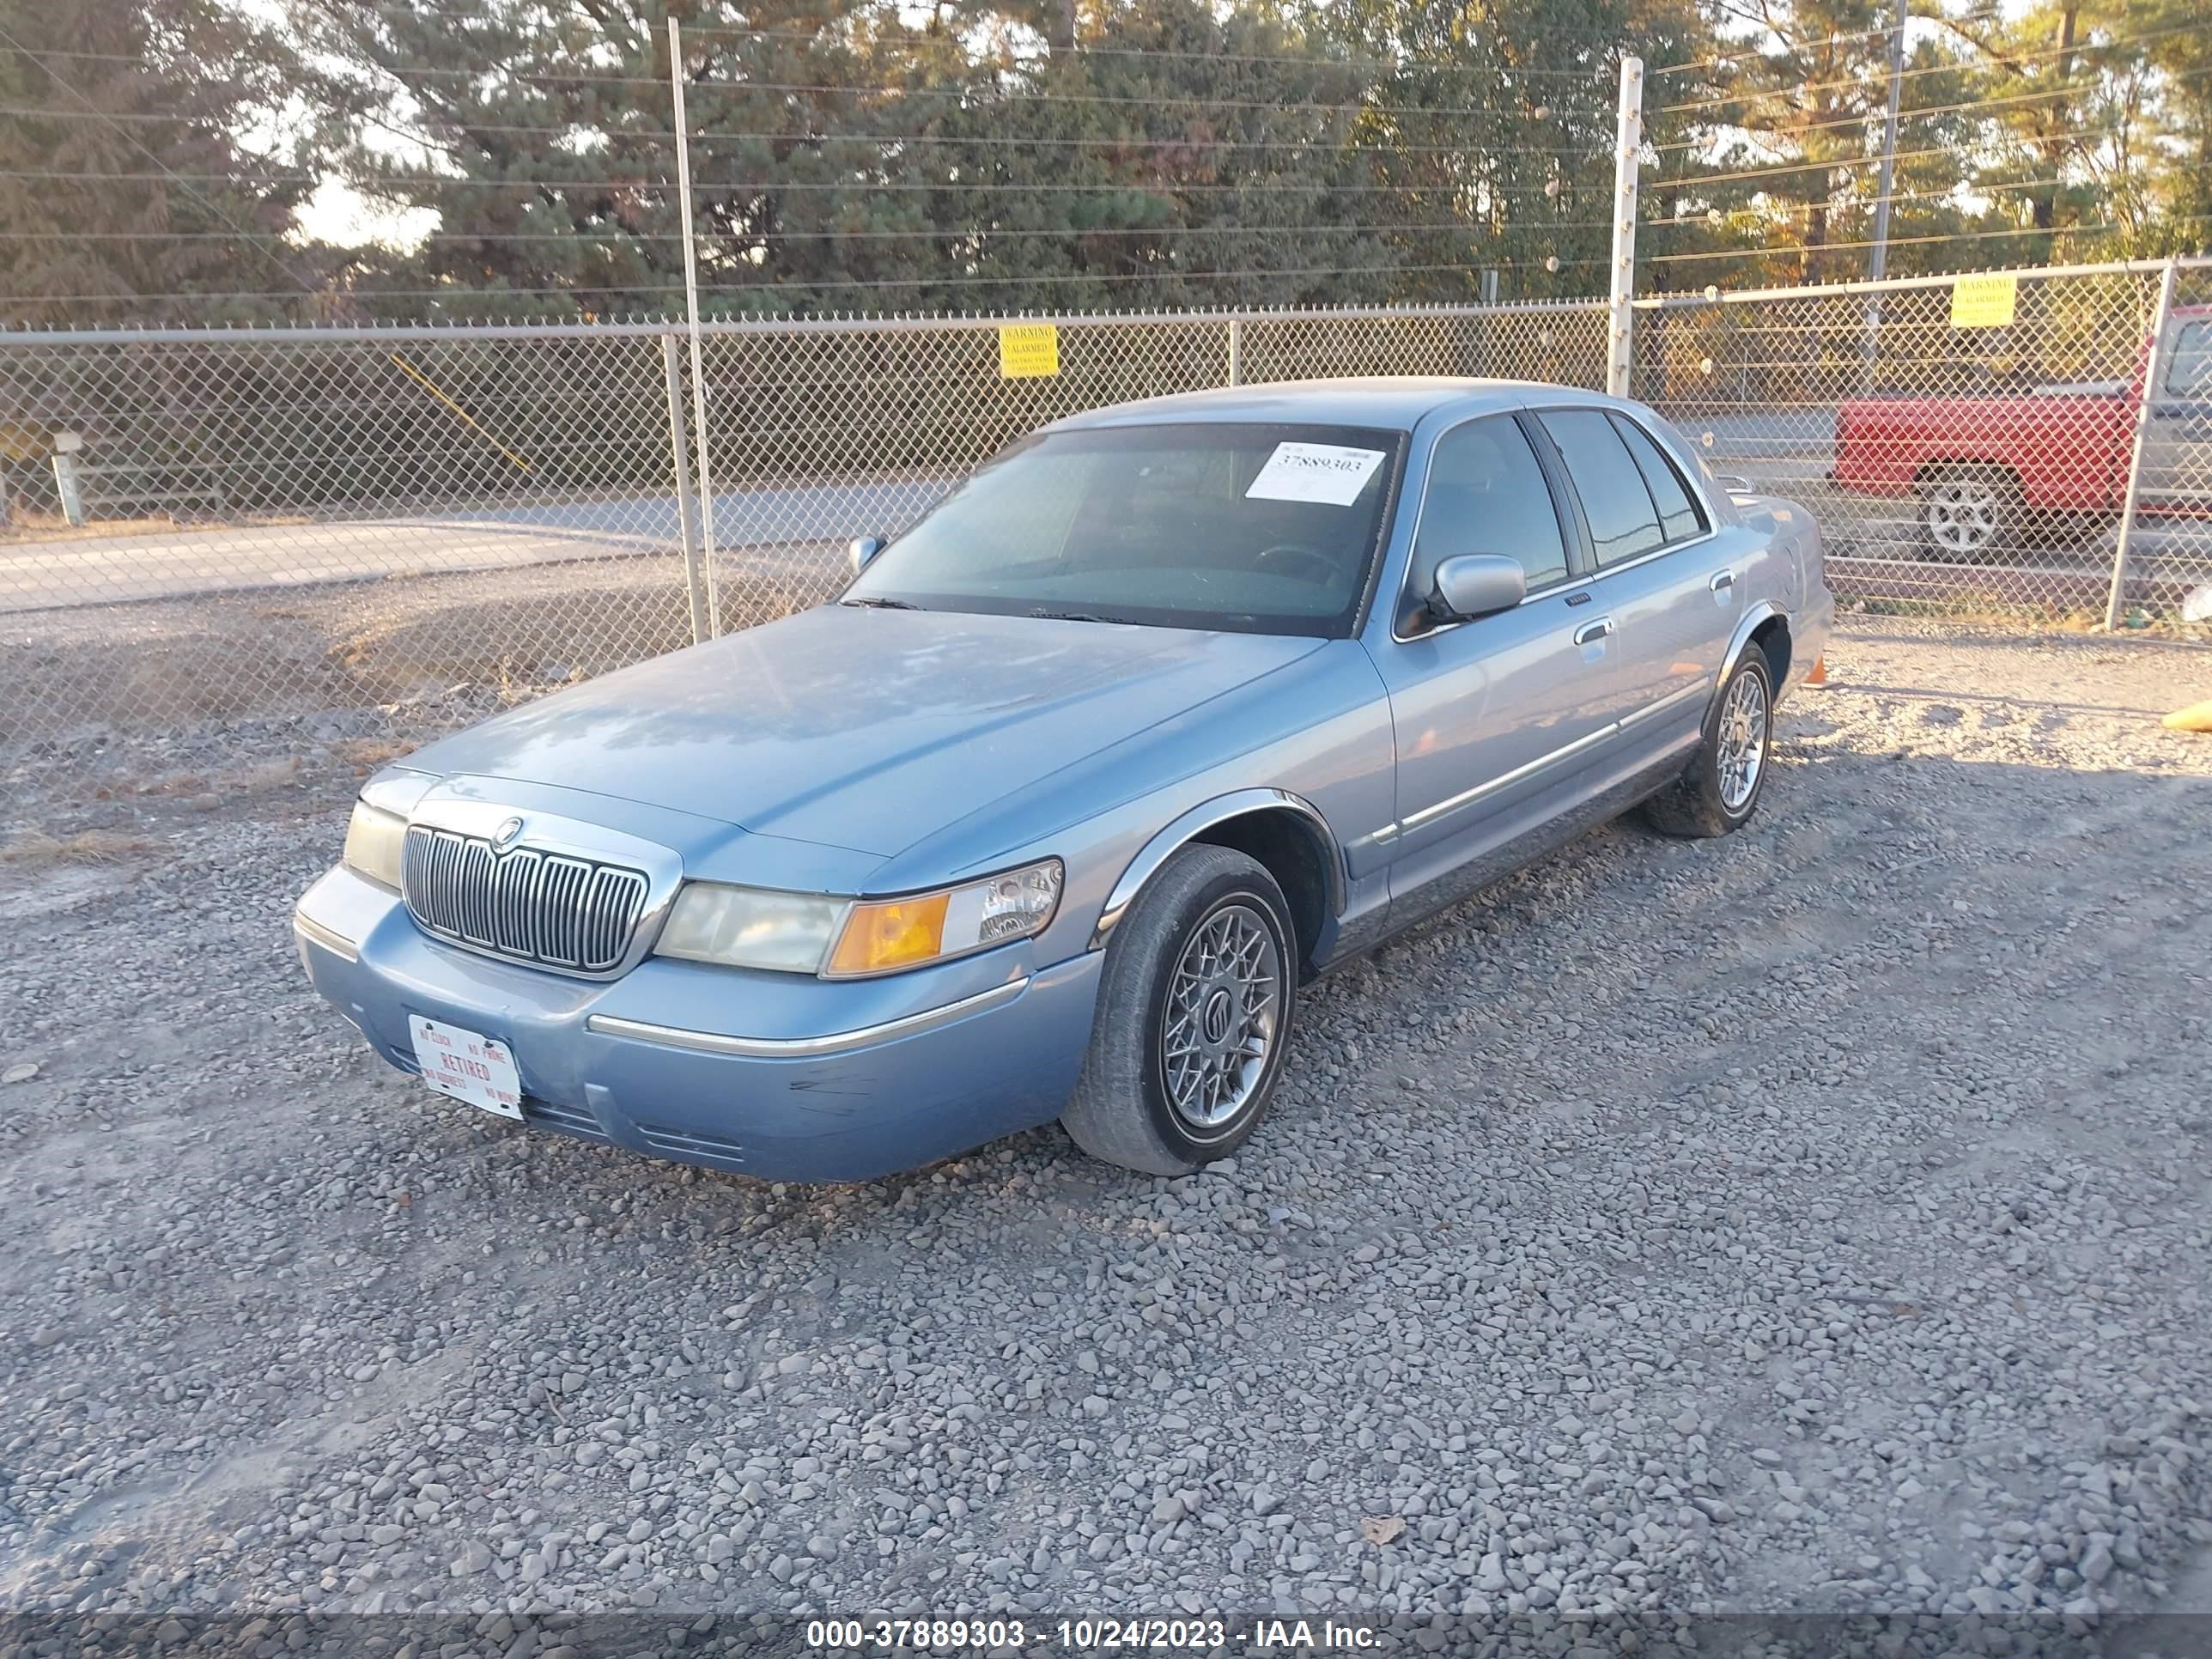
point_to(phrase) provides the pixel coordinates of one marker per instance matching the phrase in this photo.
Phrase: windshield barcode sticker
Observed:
(1315, 472)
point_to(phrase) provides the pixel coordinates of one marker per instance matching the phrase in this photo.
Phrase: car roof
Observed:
(1393, 401)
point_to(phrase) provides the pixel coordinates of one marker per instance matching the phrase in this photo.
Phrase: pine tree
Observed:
(126, 194)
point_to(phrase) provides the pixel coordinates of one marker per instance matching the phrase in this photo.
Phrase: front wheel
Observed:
(1721, 789)
(1194, 1011)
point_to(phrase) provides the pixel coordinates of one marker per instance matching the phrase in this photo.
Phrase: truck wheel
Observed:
(1194, 1017)
(1969, 512)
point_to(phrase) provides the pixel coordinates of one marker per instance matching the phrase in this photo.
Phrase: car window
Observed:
(2189, 370)
(1486, 494)
(1269, 528)
(1623, 522)
(1679, 514)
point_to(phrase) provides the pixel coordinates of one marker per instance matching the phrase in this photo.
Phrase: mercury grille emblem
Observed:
(504, 837)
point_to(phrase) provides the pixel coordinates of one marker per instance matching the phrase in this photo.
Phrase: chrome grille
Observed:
(543, 908)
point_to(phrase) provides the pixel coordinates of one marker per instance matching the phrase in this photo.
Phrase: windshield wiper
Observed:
(870, 602)
(1080, 616)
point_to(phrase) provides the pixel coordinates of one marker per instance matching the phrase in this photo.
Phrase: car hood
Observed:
(859, 729)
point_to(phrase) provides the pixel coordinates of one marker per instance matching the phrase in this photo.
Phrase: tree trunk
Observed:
(2045, 204)
(1816, 238)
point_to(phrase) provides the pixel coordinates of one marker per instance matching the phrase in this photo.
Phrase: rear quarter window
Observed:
(1678, 513)
(1623, 521)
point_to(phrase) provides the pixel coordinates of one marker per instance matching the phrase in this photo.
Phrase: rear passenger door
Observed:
(1672, 600)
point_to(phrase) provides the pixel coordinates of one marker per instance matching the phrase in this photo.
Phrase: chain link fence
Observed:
(2167, 567)
(240, 525)
(223, 526)
(1967, 442)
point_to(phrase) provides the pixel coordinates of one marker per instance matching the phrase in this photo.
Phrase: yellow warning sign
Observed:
(1983, 301)
(1028, 351)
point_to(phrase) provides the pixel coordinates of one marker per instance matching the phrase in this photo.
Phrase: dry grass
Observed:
(261, 777)
(32, 527)
(41, 528)
(365, 755)
(39, 851)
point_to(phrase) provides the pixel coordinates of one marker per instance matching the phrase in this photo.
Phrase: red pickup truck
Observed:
(1983, 469)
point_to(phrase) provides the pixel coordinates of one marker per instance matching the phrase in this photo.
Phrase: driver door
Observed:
(1496, 718)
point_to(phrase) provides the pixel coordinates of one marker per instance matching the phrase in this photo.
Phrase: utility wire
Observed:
(212, 205)
(1795, 249)
(369, 186)
(1875, 74)
(1695, 181)
(1594, 39)
(1949, 193)
(982, 95)
(584, 232)
(792, 284)
(896, 138)
(1751, 49)
(1783, 135)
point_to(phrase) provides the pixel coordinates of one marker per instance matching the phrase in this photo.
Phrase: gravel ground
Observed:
(1813, 1222)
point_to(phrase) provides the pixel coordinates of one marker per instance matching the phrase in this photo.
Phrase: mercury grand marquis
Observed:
(1050, 813)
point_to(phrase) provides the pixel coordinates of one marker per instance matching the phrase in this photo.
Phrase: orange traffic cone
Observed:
(2197, 717)
(1820, 674)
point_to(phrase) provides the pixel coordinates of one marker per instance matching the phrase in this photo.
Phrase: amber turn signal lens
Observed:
(896, 934)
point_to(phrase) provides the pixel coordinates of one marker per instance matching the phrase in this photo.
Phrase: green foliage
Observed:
(1064, 154)
(113, 103)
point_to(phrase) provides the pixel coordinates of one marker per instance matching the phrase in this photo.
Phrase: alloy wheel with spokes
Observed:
(1741, 740)
(1720, 788)
(1221, 1018)
(1196, 1000)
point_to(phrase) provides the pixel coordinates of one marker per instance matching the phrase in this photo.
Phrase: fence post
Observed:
(680, 452)
(1235, 351)
(66, 445)
(691, 315)
(2161, 316)
(1885, 188)
(1629, 138)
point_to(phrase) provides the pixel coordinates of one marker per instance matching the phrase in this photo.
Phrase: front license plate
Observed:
(468, 1066)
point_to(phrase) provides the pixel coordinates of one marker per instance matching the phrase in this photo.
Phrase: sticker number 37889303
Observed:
(1326, 473)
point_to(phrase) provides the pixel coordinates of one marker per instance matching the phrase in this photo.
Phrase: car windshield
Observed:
(1255, 529)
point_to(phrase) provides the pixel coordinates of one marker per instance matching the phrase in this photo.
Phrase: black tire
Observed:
(1122, 1110)
(1697, 803)
(1971, 512)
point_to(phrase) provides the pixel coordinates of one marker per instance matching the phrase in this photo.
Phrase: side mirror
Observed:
(1476, 584)
(860, 550)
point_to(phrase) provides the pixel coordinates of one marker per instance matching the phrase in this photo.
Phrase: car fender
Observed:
(1746, 625)
(1163, 845)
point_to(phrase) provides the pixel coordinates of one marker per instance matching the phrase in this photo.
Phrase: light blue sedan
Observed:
(1164, 711)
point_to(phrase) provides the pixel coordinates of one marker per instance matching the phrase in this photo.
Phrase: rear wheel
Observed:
(1969, 512)
(1194, 1017)
(1721, 789)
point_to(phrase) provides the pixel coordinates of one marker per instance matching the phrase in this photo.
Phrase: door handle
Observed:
(1596, 627)
(1722, 578)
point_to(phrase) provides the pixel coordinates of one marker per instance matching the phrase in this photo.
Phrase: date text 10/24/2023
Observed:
(1089, 1635)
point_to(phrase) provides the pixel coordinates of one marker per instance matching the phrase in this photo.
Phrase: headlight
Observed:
(883, 935)
(374, 839)
(748, 927)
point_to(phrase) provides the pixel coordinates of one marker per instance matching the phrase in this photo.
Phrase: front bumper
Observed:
(781, 1076)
